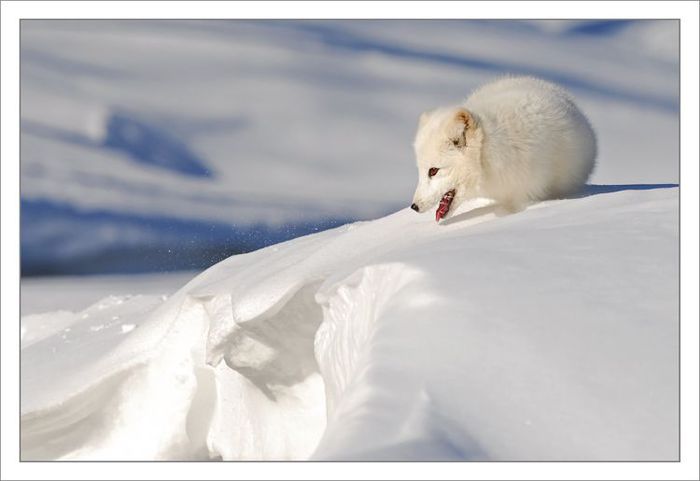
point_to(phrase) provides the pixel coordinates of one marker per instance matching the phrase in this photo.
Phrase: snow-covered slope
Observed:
(551, 334)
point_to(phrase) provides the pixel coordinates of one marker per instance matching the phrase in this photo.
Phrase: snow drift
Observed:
(551, 334)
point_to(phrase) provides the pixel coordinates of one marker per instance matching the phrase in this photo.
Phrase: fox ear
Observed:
(465, 118)
(424, 118)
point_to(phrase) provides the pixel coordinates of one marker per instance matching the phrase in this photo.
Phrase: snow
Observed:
(551, 334)
(74, 293)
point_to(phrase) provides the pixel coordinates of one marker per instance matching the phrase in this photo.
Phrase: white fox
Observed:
(515, 140)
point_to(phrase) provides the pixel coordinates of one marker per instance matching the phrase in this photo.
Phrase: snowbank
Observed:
(551, 334)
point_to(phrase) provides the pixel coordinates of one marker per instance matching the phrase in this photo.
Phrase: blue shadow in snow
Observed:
(598, 27)
(141, 141)
(59, 239)
(595, 189)
(148, 144)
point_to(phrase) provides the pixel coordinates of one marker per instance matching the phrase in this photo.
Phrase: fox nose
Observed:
(414, 207)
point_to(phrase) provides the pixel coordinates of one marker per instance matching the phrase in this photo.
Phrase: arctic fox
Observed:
(514, 140)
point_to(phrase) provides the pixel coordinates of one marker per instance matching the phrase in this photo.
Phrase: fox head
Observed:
(448, 155)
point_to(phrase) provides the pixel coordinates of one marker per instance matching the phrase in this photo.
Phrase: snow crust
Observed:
(551, 334)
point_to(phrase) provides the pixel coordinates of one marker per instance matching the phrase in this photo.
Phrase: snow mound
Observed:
(551, 334)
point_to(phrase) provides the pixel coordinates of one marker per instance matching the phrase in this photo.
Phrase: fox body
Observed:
(515, 140)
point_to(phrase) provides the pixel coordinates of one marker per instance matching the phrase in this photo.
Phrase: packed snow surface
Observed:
(551, 334)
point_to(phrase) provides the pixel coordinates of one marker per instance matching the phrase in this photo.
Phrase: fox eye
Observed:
(432, 171)
(455, 142)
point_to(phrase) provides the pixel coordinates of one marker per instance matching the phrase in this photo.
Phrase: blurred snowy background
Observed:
(166, 145)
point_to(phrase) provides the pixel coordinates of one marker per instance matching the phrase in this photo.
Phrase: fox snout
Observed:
(419, 202)
(419, 205)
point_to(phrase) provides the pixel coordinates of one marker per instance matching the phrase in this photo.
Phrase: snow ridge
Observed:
(350, 311)
(387, 340)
